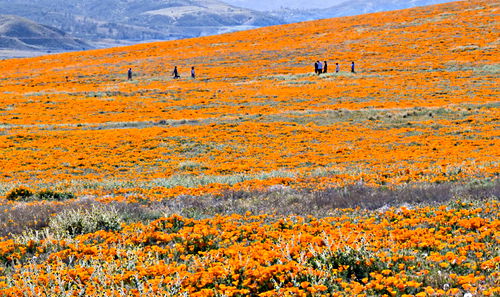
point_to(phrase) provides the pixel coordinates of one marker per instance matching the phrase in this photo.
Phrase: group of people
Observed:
(319, 68)
(175, 73)
(322, 67)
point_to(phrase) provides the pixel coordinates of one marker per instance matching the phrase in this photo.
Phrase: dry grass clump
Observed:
(77, 216)
(286, 201)
(74, 222)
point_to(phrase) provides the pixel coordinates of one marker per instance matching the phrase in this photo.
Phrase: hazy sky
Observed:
(276, 4)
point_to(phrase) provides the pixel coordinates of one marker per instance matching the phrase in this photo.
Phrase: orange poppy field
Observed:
(421, 109)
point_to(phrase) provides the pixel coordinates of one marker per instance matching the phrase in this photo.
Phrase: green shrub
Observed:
(20, 194)
(52, 195)
(82, 221)
(24, 194)
(357, 263)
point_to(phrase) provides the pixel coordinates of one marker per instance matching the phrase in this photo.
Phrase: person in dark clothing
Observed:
(316, 64)
(193, 74)
(175, 73)
(352, 67)
(325, 67)
(129, 74)
(337, 67)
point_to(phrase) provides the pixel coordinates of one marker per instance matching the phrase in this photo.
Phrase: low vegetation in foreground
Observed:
(447, 250)
(269, 246)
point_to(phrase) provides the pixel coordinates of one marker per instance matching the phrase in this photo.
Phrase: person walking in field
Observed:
(193, 74)
(337, 67)
(352, 67)
(129, 74)
(325, 67)
(175, 73)
(316, 67)
(320, 67)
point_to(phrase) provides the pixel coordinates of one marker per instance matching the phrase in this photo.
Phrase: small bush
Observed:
(190, 166)
(83, 221)
(355, 264)
(52, 195)
(358, 263)
(20, 194)
(24, 194)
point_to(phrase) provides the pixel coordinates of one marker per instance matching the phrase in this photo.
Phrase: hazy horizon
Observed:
(265, 5)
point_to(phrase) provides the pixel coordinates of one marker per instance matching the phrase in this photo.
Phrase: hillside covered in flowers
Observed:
(256, 153)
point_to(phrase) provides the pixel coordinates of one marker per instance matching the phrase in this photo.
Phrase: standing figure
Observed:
(320, 67)
(193, 74)
(316, 67)
(325, 67)
(337, 67)
(352, 67)
(175, 73)
(129, 74)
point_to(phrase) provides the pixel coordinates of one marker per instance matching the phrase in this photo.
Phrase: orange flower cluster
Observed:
(425, 251)
(422, 108)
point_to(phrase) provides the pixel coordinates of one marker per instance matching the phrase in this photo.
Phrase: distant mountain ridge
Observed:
(121, 22)
(355, 7)
(266, 5)
(352, 7)
(138, 20)
(18, 33)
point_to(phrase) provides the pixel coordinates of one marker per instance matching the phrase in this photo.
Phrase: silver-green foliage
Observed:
(82, 221)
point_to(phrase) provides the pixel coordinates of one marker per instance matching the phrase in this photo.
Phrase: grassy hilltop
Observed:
(98, 164)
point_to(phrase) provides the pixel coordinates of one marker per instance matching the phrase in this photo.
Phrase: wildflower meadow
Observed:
(259, 177)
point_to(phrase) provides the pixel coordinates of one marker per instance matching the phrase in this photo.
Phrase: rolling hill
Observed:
(18, 33)
(350, 8)
(419, 72)
(356, 7)
(138, 20)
